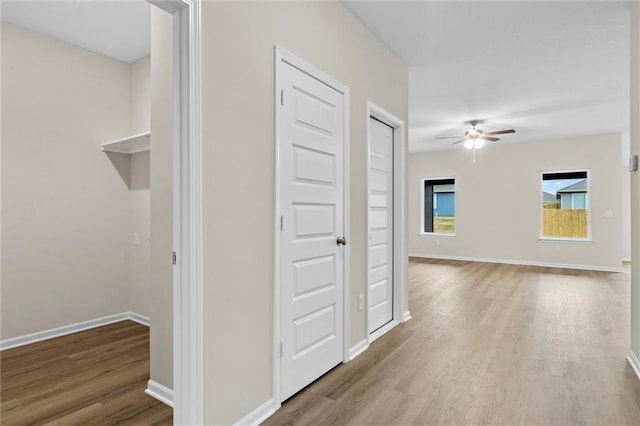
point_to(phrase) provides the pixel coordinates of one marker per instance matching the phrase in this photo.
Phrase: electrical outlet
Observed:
(136, 239)
(361, 302)
(608, 213)
(437, 242)
(557, 247)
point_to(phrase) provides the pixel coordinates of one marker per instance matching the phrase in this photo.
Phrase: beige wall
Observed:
(161, 202)
(498, 201)
(138, 258)
(71, 210)
(635, 178)
(140, 89)
(65, 216)
(238, 168)
(139, 194)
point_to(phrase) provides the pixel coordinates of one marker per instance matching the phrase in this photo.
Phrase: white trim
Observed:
(280, 56)
(187, 212)
(565, 240)
(140, 319)
(520, 262)
(259, 415)
(626, 260)
(52, 333)
(358, 349)
(406, 316)
(399, 226)
(634, 362)
(346, 288)
(159, 392)
(276, 388)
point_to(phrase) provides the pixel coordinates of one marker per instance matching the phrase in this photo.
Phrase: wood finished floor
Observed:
(489, 344)
(96, 376)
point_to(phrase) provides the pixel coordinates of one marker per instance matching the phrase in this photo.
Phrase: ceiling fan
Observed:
(475, 138)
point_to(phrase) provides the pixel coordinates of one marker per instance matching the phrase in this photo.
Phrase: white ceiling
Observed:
(547, 69)
(120, 29)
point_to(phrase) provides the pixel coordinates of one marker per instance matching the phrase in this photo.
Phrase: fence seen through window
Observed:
(565, 204)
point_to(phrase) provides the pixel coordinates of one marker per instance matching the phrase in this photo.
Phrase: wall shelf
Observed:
(130, 144)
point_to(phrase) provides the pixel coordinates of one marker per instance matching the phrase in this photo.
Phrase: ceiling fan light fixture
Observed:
(475, 138)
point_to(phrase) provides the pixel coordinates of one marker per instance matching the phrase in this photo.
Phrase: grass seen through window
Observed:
(439, 206)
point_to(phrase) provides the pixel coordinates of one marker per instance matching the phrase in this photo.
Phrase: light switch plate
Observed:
(361, 302)
(136, 239)
(608, 213)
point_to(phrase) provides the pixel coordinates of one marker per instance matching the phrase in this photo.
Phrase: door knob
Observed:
(341, 241)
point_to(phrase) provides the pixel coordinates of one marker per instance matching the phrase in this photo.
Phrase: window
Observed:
(565, 205)
(439, 205)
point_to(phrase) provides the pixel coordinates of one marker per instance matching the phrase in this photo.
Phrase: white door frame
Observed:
(282, 56)
(399, 252)
(187, 213)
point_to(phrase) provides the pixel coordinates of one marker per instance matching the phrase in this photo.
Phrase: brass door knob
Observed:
(341, 241)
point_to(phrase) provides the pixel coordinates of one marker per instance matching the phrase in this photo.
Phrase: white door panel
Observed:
(378, 256)
(313, 220)
(311, 143)
(378, 292)
(376, 200)
(378, 236)
(313, 166)
(313, 275)
(378, 273)
(380, 250)
(378, 218)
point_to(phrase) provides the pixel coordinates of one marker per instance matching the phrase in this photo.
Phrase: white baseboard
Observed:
(521, 262)
(626, 259)
(358, 349)
(160, 392)
(634, 362)
(52, 333)
(406, 316)
(259, 415)
(140, 319)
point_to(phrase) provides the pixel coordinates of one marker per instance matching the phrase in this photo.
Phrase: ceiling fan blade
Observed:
(489, 138)
(461, 140)
(500, 132)
(447, 137)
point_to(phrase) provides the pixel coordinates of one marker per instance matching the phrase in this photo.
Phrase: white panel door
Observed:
(380, 250)
(311, 141)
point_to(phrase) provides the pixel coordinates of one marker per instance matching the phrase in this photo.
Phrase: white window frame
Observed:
(588, 238)
(455, 207)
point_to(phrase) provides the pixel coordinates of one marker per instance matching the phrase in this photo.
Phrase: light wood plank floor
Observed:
(96, 376)
(489, 344)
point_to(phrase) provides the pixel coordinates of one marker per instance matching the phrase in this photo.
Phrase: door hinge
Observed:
(281, 223)
(282, 97)
(281, 348)
(175, 258)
